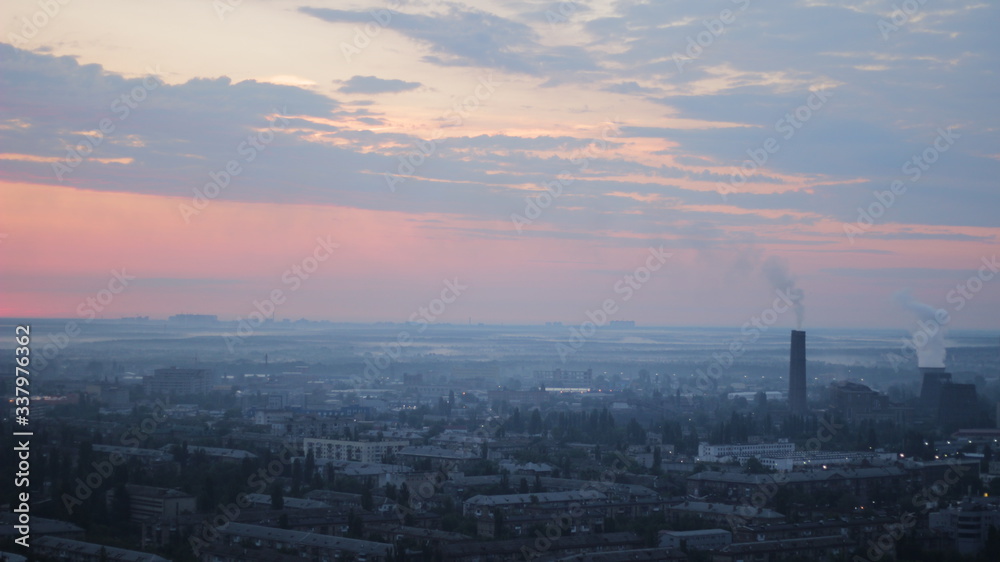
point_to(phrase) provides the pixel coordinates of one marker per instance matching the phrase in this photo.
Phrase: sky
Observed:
(668, 162)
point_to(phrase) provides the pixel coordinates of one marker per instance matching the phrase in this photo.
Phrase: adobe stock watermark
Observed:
(913, 168)
(131, 438)
(958, 298)
(553, 531)
(787, 126)
(30, 27)
(207, 532)
(626, 286)
(88, 309)
(432, 483)
(708, 379)
(363, 36)
(224, 7)
(424, 316)
(220, 180)
(885, 544)
(293, 277)
(122, 107)
(561, 13)
(714, 27)
(771, 483)
(456, 115)
(902, 14)
(538, 202)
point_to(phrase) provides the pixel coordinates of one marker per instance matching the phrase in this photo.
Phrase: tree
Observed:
(657, 460)
(760, 401)
(277, 496)
(366, 499)
(296, 478)
(535, 423)
(122, 509)
(310, 466)
(523, 486)
(207, 496)
(355, 525)
(181, 453)
(754, 466)
(634, 432)
(404, 494)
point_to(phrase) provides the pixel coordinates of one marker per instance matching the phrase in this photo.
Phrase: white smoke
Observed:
(928, 338)
(775, 269)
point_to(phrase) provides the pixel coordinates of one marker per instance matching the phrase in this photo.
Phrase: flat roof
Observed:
(111, 553)
(305, 538)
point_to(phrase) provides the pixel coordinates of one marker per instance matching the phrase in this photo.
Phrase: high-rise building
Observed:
(797, 373)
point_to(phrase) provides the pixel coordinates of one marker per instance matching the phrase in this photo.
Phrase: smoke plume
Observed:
(775, 269)
(928, 338)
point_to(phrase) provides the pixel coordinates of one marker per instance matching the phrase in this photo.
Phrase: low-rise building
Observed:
(735, 486)
(40, 526)
(477, 506)
(159, 504)
(967, 523)
(217, 453)
(264, 500)
(236, 538)
(144, 456)
(358, 451)
(822, 459)
(69, 550)
(816, 548)
(515, 549)
(704, 539)
(722, 514)
(178, 382)
(726, 453)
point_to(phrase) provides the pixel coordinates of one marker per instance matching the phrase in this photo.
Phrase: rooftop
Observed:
(305, 539)
(68, 547)
(544, 497)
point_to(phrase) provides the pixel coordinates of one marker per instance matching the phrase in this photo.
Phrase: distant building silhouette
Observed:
(857, 402)
(194, 318)
(174, 381)
(561, 378)
(951, 404)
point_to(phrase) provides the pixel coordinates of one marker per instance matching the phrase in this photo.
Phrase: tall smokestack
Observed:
(797, 374)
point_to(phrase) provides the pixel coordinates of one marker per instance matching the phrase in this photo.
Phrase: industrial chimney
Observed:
(797, 374)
